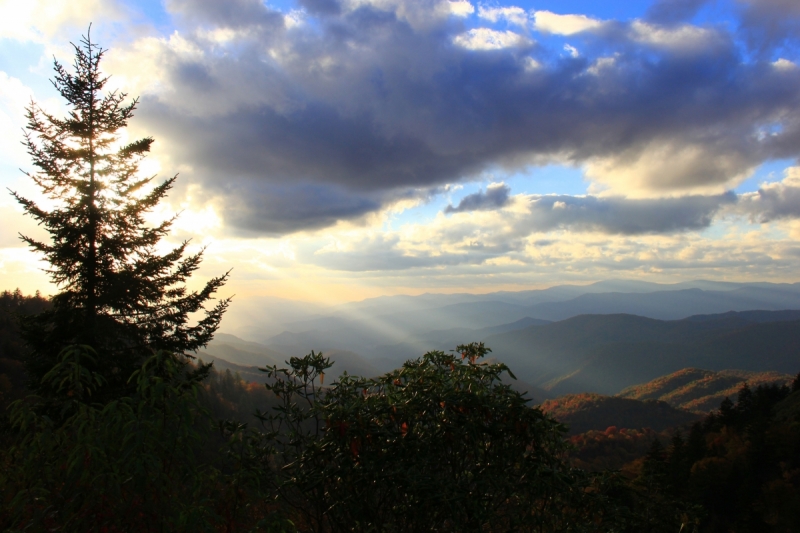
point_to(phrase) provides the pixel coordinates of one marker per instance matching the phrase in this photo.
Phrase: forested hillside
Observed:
(587, 412)
(701, 391)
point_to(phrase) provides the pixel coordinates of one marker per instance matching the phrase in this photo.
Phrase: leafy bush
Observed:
(440, 444)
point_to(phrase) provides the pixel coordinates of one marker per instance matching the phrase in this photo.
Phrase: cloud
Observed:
(280, 210)
(565, 236)
(668, 165)
(229, 14)
(512, 14)
(549, 22)
(624, 216)
(489, 39)
(684, 37)
(14, 98)
(672, 12)
(419, 14)
(495, 197)
(321, 7)
(770, 24)
(783, 63)
(371, 101)
(385, 252)
(461, 8)
(41, 21)
(774, 201)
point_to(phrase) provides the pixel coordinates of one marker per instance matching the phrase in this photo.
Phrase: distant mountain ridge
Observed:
(397, 318)
(607, 353)
(757, 315)
(369, 329)
(599, 338)
(484, 312)
(671, 305)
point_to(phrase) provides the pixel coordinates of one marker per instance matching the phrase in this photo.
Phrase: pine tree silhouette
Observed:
(117, 293)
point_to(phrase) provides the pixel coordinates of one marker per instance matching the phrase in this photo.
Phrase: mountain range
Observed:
(589, 353)
(607, 353)
(630, 354)
(395, 319)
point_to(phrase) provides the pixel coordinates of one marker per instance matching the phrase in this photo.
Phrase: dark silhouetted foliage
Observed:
(13, 307)
(741, 464)
(131, 464)
(440, 444)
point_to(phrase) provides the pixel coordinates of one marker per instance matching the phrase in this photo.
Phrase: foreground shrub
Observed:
(440, 444)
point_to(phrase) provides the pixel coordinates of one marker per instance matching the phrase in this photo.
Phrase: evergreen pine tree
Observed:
(727, 413)
(117, 294)
(695, 444)
(744, 401)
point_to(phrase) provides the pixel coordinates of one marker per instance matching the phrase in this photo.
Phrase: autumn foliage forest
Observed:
(111, 423)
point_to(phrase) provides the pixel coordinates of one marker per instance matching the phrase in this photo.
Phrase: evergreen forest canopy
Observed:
(110, 423)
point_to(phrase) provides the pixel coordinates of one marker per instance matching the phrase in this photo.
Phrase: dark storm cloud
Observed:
(495, 197)
(625, 216)
(279, 210)
(364, 106)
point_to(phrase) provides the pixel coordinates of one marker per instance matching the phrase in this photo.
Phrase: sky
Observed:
(334, 150)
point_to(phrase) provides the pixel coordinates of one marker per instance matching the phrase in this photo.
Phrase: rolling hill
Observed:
(585, 412)
(699, 390)
(229, 349)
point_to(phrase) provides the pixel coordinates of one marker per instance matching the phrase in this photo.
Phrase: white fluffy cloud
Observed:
(565, 238)
(489, 39)
(684, 37)
(44, 20)
(512, 14)
(549, 22)
(14, 98)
